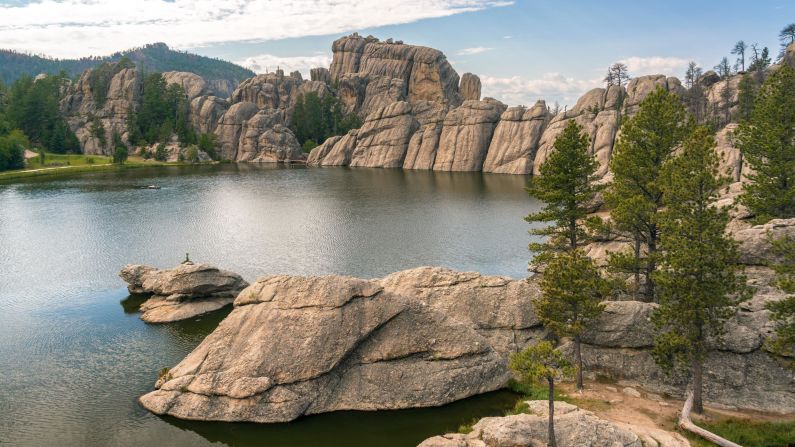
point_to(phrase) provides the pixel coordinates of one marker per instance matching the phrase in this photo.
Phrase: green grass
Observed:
(58, 160)
(749, 433)
(58, 164)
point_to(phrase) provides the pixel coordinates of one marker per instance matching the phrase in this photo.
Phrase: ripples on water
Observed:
(74, 355)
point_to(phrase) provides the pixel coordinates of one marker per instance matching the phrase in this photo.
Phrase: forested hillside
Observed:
(157, 57)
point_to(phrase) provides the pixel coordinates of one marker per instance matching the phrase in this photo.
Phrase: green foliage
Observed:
(316, 118)
(767, 142)
(566, 186)
(540, 362)
(163, 111)
(694, 98)
(635, 197)
(97, 130)
(760, 60)
(699, 278)
(571, 292)
(120, 154)
(308, 146)
(161, 154)
(100, 77)
(191, 154)
(746, 97)
(786, 37)
(12, 150)
(208, 144)
(33, 107)
(783, 312)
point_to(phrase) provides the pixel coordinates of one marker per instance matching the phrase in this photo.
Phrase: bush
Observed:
(90, 161)
(12, 150)
(161, 154)
(120, 154)
(309, 145)
(192, 154)
(208, 143)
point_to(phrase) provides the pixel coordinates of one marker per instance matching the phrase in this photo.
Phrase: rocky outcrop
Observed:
(383, 139)
(83, 113)
(335, 151)
(320, 74)
(193, 84)
(422, 74)
(304, 345)
(755, 247)
(466, 135)
(205, 111)
(421, 152)
(268, 91)
(515, 141)
(470, 87)
(573, 427)
(428, 336)
(230, 128)
(183, 292)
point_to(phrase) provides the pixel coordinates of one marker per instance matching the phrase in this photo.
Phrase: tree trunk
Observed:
(686, 424)
(698, 405)
(651, 265)
(637, 265)
(551, 434)
(578, 361)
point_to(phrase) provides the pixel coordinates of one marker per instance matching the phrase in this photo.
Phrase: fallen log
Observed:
(686, 424)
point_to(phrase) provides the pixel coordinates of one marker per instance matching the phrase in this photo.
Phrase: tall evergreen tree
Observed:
(542, 362)
(739, 50)
(571, 293)
(746, 97)
(782, 312)
(786, 37)
(695, 99)
(699, 276)
(767, 142)
(617, 74)
(566, 186)
(646, 142)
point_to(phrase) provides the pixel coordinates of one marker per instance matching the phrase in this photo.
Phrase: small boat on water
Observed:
(152, 187)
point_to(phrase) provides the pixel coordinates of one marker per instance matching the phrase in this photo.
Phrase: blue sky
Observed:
(523, 50)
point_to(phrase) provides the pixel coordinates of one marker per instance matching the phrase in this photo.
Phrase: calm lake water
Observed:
(74, 356)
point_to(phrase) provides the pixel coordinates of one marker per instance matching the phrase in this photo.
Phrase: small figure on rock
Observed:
(187, 260)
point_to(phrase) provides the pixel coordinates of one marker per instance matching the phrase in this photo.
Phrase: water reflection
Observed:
(74, 354)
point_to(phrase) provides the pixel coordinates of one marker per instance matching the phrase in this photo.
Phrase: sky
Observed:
(523, 50)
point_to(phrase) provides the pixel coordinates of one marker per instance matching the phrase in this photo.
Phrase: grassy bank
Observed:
(60, 164)
(746, 432)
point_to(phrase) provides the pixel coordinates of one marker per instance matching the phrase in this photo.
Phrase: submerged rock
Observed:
(182, 292)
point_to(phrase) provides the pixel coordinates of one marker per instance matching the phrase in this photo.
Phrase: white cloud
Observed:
(639, 66)
(507, 37)
(70, 28)
(268, 63)
(473, 50)
(551, 87)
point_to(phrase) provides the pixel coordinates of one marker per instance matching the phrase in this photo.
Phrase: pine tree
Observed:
(767, 142)
(566, 185)
(739, 50)
(782, 313)
(617, 74)
(647, 140)
(699, 278)
(572, 291)
(542, 362)
(746, 97)
(786, 37)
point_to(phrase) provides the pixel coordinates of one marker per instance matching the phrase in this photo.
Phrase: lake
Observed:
(74, 356)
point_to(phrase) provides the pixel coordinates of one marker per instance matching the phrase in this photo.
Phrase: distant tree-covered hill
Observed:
(154, 57)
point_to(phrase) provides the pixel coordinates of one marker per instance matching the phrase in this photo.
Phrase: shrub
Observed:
(161, 154)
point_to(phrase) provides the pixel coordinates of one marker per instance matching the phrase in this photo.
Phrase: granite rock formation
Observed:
(304, 345)
(183, 292)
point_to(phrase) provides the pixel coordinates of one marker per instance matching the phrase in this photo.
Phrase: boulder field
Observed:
(428, 336)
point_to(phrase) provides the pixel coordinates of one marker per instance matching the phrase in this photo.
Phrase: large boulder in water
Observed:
(303, 345)
(183, 292)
